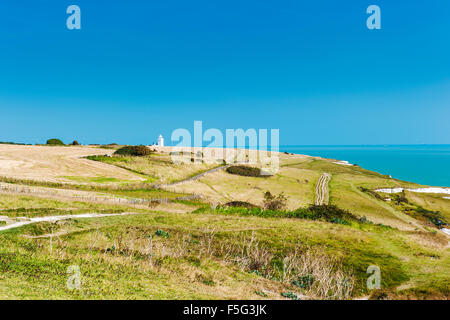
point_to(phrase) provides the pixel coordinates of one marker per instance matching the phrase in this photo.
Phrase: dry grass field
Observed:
(54, 163)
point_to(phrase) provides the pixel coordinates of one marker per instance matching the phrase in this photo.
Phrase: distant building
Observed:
(160, 141)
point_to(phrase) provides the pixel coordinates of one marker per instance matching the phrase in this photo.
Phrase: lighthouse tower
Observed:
(160, 141)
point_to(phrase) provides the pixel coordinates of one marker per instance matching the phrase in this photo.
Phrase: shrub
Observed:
(240, 204)
(379, 294)
(329, 213)
(289, 295)
(260, 293)
(162, 233)
(372, 193)
(339, 221)
(133, 151)
(245, 171)
(434, 217)
(55, 142)
(399, 199)
(274, 203)
(75, 143)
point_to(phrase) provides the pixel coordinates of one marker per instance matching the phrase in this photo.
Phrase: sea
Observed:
(422, 164)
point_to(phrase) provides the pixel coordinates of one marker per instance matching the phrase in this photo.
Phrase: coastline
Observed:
(372, 158)
(424, 165)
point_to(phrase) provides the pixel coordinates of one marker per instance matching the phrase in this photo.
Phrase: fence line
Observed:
(87, 197)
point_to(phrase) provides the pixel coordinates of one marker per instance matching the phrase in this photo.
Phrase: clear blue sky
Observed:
(310, 68)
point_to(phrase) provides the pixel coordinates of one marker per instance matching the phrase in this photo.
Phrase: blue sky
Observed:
(309, 68)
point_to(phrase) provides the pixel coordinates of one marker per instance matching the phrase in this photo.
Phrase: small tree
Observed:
(274, 203)
(75, 143)
(55, 142)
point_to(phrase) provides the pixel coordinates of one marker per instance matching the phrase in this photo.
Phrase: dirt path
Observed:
(194, 177)
(26, 221)
(322, 194)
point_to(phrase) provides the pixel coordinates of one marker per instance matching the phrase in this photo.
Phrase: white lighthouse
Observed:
(160, 141)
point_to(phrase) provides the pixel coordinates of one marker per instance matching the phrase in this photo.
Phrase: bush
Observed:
(329, 213)
(245, 171)
(133, 151)
(398, 199)
(240, 204)
(339, 221)
(434, 217)
(162, 233)
(260, 293)
(274, 203)
(372, 193)
(379, 294)
(55, 142)
(75, 143)
(289, 295)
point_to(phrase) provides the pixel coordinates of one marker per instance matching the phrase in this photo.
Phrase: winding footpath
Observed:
(198, 176)
(24, 221)
(322, 194)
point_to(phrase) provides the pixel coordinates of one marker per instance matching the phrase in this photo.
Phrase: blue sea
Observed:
(423, 164)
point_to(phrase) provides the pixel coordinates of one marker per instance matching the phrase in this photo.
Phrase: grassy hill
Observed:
(198, 248)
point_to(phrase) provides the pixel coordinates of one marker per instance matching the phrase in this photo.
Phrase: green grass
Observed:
(95, 179)
(110, 160)
(331, 214)
(126, 273)
(107, 274)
